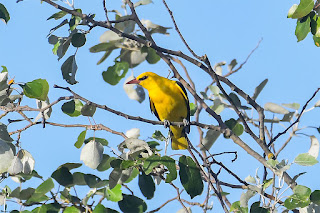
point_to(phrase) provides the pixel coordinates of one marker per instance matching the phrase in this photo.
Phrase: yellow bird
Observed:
(169, 102)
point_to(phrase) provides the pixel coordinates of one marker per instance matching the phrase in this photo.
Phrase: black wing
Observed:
(153, 108)
(185, 96)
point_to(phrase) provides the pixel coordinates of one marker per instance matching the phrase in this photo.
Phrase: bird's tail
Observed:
(178, 138)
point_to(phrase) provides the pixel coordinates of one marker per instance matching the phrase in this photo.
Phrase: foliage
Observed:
(130, 40)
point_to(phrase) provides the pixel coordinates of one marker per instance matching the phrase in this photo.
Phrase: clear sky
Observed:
(223, 30)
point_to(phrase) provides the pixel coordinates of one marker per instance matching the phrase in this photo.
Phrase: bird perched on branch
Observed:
(169, 102)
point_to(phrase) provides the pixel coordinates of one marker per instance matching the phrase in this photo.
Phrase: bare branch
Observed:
(296, 121)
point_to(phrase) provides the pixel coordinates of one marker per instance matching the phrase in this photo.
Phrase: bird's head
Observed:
(144, 79)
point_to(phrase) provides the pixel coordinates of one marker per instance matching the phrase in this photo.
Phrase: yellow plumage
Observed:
(168, 101)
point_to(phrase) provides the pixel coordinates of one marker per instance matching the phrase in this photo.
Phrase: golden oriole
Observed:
(168, 101)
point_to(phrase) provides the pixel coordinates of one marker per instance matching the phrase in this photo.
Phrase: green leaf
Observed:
(75, 21)
(315, 197)
(132, 204)
(267, 183)
(236, 128)
(114, 194)
(115, 73)
(153, 144)
(190, 176)
(105, 163)
(275, 108)
(171, 166)
(78, 39)
(303, 9)
(210, 138)
(88, 110)
(193, 109)
(80, 140)
(58, 15)
(103, 141)
(69, 69)
(291, 11)
(101, 209)
(295, 106)
(150, 163)
(133, 175)
(4, 134)
(235, 99)
(152, 57)
(146, 185)
(4, 14)
(38, 89)
(302, 28)
(63, 176)
(300, 197)
(78, 179)
(72, 108)
(71, 166)
(235, 207)
(104, 57)
(218, 106)
(259, 88)
(158, 136)
(305, 159)
(105, 46)
(214, 89)
(45, 187)
(316, 40)
(25, 194)
(255, 208)
(4, 69)
(94, 181)
(71, 209)
(142, 2)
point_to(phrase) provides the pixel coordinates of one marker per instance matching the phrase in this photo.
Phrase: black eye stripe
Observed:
(143, 78)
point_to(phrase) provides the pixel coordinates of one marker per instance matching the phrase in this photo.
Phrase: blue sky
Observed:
(223, 30)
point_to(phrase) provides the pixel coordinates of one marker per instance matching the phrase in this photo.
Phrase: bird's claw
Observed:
(186, 122)
(166, 123)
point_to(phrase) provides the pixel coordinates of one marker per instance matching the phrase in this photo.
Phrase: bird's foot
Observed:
(186, 122)
(166, 123)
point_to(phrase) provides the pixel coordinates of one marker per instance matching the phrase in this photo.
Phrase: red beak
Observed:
(133, 81)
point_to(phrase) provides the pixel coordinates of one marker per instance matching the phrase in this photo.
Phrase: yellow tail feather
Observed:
(178, 138)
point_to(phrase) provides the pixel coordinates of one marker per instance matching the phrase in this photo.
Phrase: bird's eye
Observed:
(143, 78)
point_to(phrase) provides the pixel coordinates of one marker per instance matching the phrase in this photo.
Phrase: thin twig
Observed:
(296, 121)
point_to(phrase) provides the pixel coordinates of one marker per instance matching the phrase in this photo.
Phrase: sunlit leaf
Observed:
(193, 109)
(314, 147)
(305, 159)
(134, 91)
(133, 133)
(91, 154)
(114, 194)
(142, 2)
(275, 108)
(38, 89)
(209, 139)
(303, 9)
